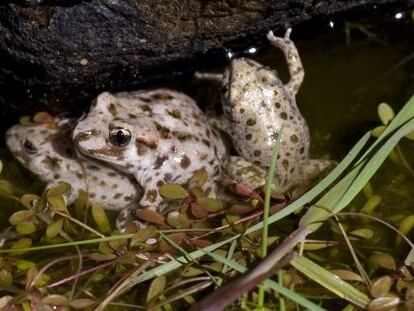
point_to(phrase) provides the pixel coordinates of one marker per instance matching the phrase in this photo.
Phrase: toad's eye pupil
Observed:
(30, 148)
(120, 137)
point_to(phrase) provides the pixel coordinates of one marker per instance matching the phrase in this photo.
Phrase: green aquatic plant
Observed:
(209, 241)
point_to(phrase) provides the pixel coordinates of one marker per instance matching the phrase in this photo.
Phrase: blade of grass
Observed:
(269, 283)
(266, 207)
(330, 281)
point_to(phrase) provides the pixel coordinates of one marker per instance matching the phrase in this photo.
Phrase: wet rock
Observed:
(56, 55)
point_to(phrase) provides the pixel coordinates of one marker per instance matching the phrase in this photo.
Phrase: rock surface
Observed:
(56, 55)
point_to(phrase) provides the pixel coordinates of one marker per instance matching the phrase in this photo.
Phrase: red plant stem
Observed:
(77, 275)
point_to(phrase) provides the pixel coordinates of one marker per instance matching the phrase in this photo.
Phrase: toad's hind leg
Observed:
(292, 58)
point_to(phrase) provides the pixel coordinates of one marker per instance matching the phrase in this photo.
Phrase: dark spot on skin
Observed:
(102, 183)
(285, 164)
(181, 136)
(111, 174)
(302, 150)
(160, 161)
(80, 175)
(206, 142)
(129, 166)
(203, 156)
(242, 110)
(175, 113)
(112, 109)
(162, 130)
(56, 176)
(196, 116)
(251, 122)
(146, 108)
(159, 183)
(145, 143)
(294, 139)
(198, 124)
(92, 195)
(173, 149)
(103, 197)
(162, 96)
(167, 177)
(127, 198)
(114, 186)
(185, 162)
(208, 133)
(248, 136)
(292, 170)
(117, 195)
(257, 153)
(211, 162)
(146, 99)
(132, 116)
(93, 167)
(152, 195)
(277, 104)
(283, 115)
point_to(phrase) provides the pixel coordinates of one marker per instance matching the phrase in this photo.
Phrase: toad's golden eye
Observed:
(119, 137)
(29, 147)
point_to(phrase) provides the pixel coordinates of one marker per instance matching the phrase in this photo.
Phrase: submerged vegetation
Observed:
(55, 255)
(343, 244)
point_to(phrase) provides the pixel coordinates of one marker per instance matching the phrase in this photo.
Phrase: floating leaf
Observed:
(347, 275)
(405, 227)
(22, 243)
(100, 218)
(102, 257)
(240, 209)
(54, 228)
(6, 277)
(30, 201)
(386, 113)
(151, 216)
(316, 245)
(200, 243)
(26, 228)
(24, 265)
(383, 260)
(364, 233)
(381, 286)
(371, 204)
(82, 303)
(178, 220)
(383, 303)
(173, 191)
(376, 132)
(199, 178)
(60, 188)
(198, 211)
(20, 217)
(165, 247)
(197, 192)
(55, 300)
(156, 288)
(410, 136)
(142, 236)
(57, 202)
(210, 204)
(191, 272)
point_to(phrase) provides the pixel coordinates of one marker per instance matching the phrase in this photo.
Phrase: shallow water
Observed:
(351, 65)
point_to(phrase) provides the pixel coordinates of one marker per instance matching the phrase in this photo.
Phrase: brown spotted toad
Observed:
(159, 136)
(46, 150)
(256, 106)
